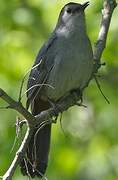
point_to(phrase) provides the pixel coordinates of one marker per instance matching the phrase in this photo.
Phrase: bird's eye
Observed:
(69, 11)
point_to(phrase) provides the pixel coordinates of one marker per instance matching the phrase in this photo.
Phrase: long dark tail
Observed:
(36, 160)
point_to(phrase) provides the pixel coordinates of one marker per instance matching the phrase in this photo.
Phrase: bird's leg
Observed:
(79, 92)
(53, 105)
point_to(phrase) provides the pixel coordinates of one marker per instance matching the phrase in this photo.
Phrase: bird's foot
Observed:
(53, 105)
(78, 92)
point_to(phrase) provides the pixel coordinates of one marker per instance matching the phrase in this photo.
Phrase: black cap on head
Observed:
(75, 6)
(84, 5)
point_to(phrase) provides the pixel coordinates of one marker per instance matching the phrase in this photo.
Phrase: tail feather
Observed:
(36, 160)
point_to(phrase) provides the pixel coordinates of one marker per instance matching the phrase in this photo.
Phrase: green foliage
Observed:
(88, 148)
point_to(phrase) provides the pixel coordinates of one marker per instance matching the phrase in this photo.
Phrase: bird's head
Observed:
(72, 15)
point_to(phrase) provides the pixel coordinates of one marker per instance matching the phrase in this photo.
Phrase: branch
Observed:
(19, 155)
(107, 11)
(33, 121)
(63, 104)
(18, 107)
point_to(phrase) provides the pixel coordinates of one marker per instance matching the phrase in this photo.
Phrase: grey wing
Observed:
(40, 69)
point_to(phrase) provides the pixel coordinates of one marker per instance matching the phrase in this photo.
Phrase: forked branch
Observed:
(64, 104)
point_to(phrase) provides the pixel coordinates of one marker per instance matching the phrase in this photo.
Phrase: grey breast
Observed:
(72, 66)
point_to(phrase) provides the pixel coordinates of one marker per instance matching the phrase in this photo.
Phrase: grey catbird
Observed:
(64, 63)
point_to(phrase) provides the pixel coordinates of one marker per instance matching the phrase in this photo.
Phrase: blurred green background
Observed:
(87, 147)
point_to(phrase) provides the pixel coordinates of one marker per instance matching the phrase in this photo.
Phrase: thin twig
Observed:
(23, 80)
(99, 87)
(35, 136)
(36, 85)
(63, 105)
(19, 155)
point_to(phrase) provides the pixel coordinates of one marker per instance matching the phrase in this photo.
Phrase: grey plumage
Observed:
(40, 69)
(64, 63)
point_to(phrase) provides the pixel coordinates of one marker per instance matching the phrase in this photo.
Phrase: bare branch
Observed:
(107, 12)
(32, 122)
(19, 155)
(18, 107)
(63, 104)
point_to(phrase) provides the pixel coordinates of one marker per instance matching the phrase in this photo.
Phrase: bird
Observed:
(64, 63)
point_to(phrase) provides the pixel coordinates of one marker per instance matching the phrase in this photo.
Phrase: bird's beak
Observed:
(85, 5)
